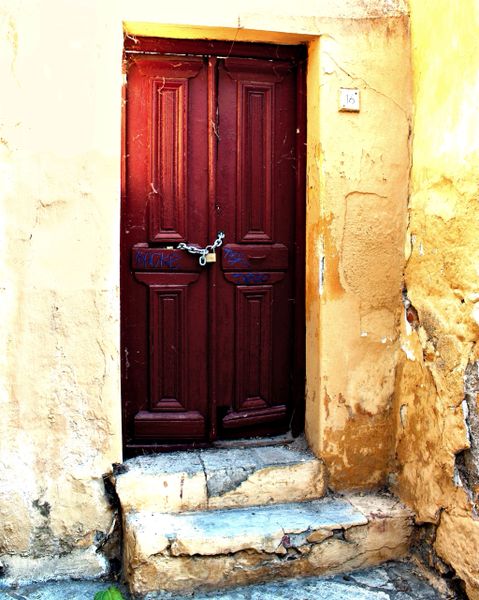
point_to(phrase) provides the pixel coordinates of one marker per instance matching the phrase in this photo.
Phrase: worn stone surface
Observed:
(393, 581)
(164, 482)
(20, 569)
(212, 479)
(437, 387)
(237, 546)
(260, 528)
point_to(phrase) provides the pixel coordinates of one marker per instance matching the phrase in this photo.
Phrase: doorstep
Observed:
(219, 478)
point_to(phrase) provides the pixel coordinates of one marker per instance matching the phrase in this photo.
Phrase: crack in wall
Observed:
(355, 78)
(110, 543)
(467, 460)
(424, 550)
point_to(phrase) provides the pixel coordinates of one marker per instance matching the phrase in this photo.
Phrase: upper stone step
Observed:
(226, 548)
(219, 478)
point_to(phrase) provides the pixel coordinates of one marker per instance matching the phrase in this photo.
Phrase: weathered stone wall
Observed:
(437, 385)
(60, 159)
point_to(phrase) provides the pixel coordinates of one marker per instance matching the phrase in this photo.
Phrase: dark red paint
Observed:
(212, 144)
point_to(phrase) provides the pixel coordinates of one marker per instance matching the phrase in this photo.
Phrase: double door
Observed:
(214, 143)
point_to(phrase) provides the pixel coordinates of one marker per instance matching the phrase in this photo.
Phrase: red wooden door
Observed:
(212, 144)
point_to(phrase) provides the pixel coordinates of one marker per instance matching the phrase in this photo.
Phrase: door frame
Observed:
(215, 48)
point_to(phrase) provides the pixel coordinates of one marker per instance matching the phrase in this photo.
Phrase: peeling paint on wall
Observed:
(437, 445)
(363, 167)
(60, 151)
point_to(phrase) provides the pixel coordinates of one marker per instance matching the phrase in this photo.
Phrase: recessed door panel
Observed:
(253, 346)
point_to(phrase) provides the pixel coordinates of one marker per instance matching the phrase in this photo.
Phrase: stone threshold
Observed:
(219, 478)
(258, 442)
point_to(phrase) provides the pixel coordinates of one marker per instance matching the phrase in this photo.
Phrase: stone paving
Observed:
(392, 581)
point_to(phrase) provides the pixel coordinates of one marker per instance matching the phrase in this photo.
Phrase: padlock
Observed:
(211, 257)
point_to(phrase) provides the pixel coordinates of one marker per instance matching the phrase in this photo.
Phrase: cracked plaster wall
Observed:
(437, 385)
(356, 228)
(60, 117)
(59, 195)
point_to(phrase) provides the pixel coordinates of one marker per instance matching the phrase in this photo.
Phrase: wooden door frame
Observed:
(214, 49)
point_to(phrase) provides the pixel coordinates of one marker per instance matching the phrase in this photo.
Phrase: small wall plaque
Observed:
(349, 99)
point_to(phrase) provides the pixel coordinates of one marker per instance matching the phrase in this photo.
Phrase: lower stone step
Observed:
(392, 581)
(227, 548)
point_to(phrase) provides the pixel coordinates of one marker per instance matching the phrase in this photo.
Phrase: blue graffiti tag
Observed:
(235, 258)
(156, 260)
(250, 278)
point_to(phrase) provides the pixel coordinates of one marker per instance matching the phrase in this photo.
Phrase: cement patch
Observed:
(226, 470)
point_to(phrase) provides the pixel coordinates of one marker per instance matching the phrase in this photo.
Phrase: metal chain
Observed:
(203, 251)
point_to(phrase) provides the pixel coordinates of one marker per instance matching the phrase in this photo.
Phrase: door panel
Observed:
(251, 257)
(253, 347)
(208, 351)
(164, 295)
(256, 210)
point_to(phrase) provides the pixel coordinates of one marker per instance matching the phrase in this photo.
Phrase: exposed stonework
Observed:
(218, 549)
(467, 461)
(437, 391)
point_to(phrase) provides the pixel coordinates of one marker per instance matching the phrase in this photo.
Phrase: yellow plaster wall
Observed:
(60, 117)
(434, 424)
(60, 108)
(358, 162)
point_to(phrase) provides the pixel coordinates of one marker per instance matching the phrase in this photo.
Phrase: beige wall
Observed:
(60, 163)
(438, 378)
(60, 121)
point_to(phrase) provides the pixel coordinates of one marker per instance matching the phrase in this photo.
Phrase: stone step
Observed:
(232, 547)
(392, 581)
(219, 478)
